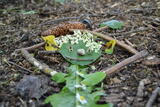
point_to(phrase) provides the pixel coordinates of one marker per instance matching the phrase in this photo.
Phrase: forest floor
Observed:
(19, 30)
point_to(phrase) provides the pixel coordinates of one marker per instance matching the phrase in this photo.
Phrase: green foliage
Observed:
(69, 52)
(61, 99)
(59, 77)
(114, 24)
(94, 78)
(75, 93)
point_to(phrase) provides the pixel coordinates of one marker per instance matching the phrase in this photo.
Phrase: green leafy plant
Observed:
(114, 24)
(79, 90)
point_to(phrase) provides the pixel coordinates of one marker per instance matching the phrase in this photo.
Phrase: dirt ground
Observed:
(18, 30)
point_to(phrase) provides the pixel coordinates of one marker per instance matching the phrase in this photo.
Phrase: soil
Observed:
(18, 30)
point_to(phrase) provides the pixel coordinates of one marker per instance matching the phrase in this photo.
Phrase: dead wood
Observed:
(45, 68)
(153, 97)
(125, 62)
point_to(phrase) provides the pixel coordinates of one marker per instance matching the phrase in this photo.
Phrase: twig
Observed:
(25, 69)
(31, 47)
(123, 33)
(47, 52)
(125, 62)
(153, 97)
(152, 60)
(23, 102)
(45, 68)
(106, 37)
(49, 58)
(101, 29)
(151, 27)
(56, 21)
(132, 31)
(140, 89)
(129, 43)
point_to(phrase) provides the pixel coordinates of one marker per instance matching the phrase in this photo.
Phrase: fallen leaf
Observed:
(110, 46)
(51, 44)
(114, 24)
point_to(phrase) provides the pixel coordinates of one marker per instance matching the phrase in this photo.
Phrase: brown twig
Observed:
(129, 43)
(132, 31)
(51, 59)
(152, 60)
(101, 29)
(106, 37)
(25, 69)
(57, 21)
(153, 97)
(31, 47)
(151, 27)
(47, 52)
(125, 62)
(140, 89)
(45, 68)
(123, 33)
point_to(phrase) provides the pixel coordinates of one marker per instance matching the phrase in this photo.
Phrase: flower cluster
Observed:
(86, 37)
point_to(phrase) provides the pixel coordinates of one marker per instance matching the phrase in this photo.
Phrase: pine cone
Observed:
(63, 29)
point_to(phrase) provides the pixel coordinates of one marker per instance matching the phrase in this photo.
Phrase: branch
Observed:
(25, 69)
(153, 97)
(45, 68)
(132, 31)
(32, 47)
(125, 62)
(101, 29)
(152, 60)
(47, 52)
(106, 37)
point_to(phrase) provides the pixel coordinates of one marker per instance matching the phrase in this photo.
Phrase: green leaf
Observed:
(69, 52)
(73, 69)
(94, 78)
(70, 83)
(61, 100)
(59, 77)
(114, 24)
(96, 95)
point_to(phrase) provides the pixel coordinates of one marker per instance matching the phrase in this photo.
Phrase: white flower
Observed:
(86, 37)
(80, 86)
(81, 99)
(72, 42)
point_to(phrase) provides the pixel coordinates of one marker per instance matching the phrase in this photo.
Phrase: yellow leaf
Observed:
(50, 43)
(110, 46)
